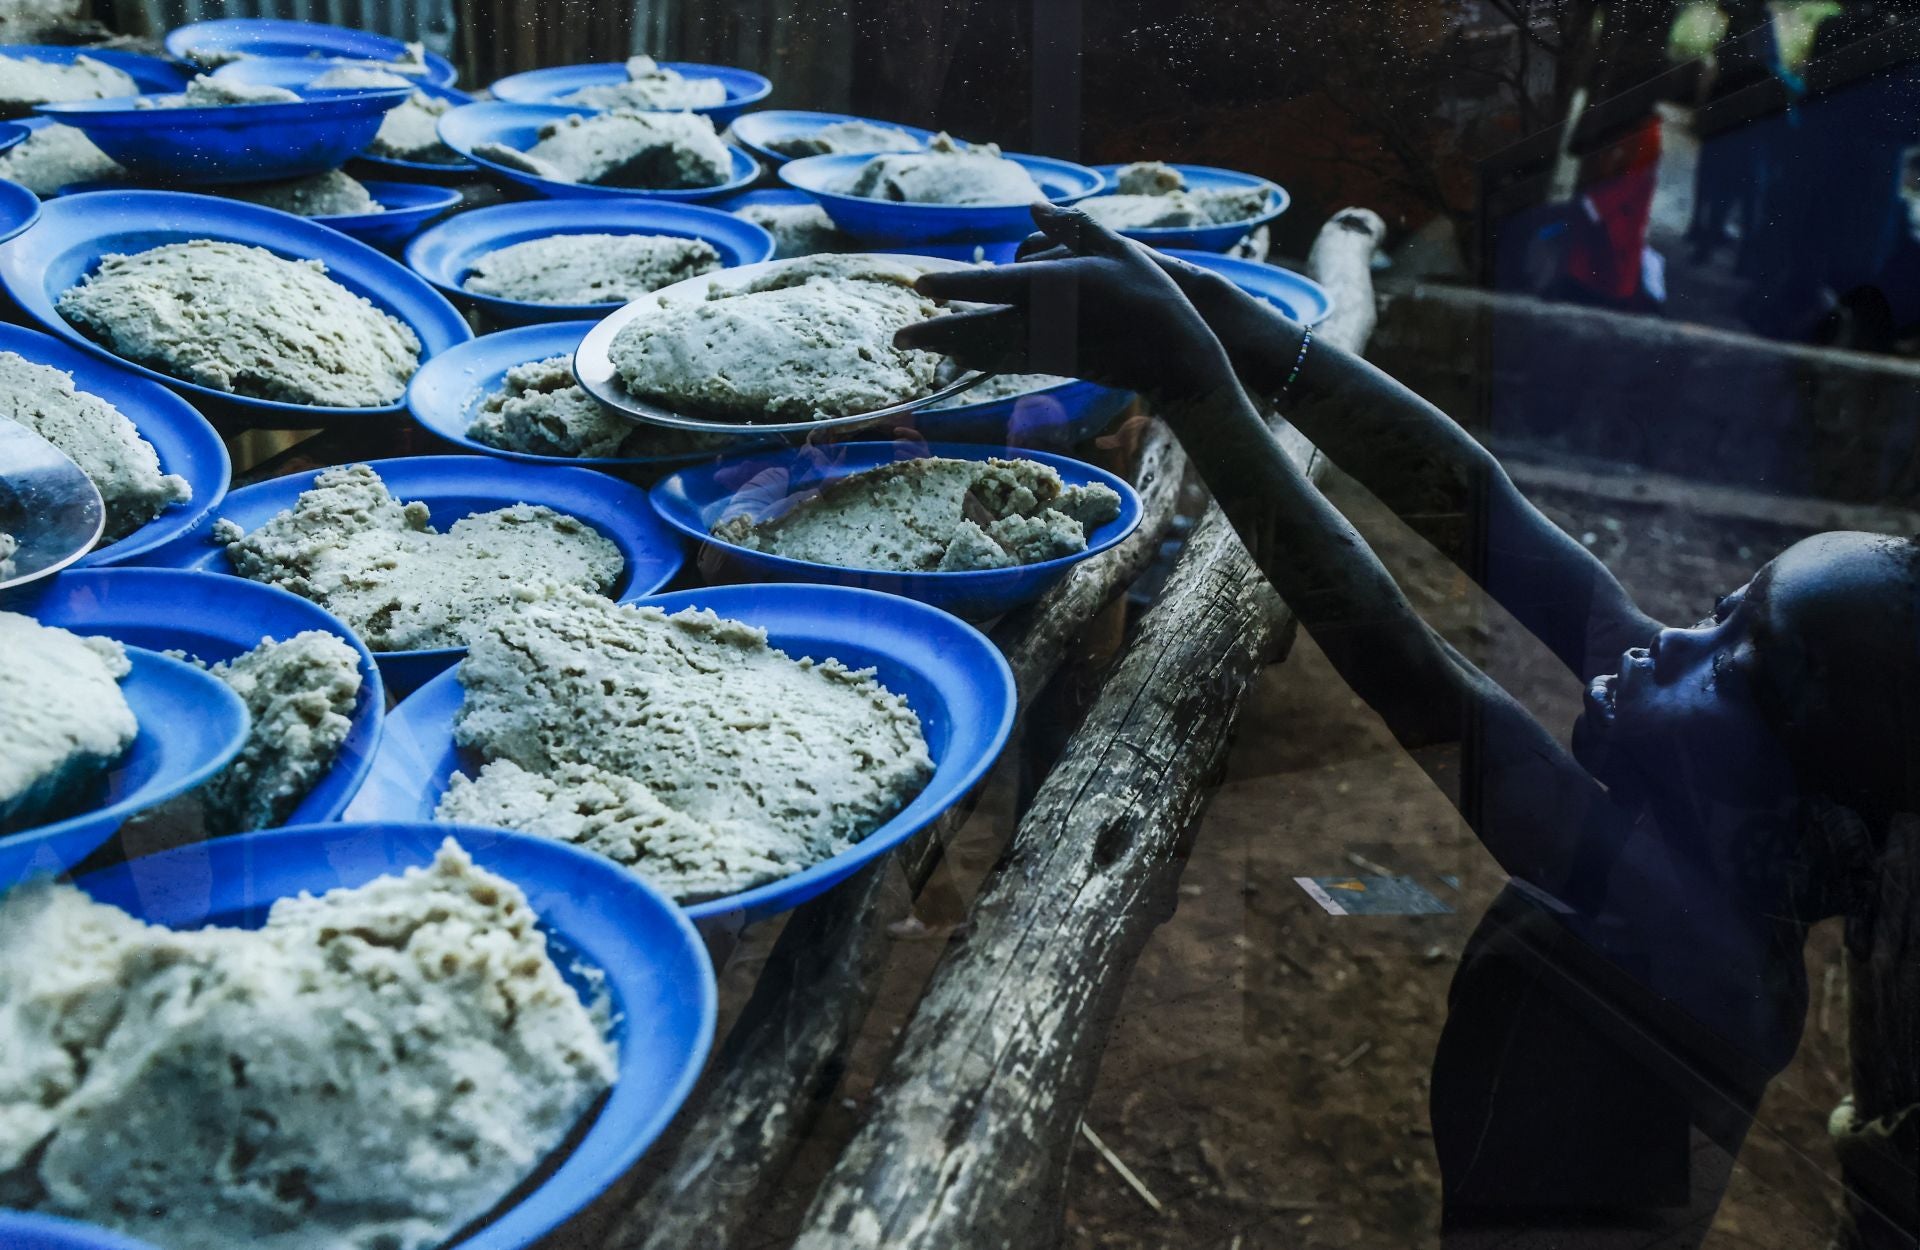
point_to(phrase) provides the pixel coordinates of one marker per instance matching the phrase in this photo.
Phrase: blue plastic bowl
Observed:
(696, 499)
(214, 618)
(756, 131)
(186, 444)
(12, 135)
(453, 487)
(650, 963)
(1003, 252)
(887, 222)
(408, 207)
(545, 86)
(518, 126)
(76, 231)
(449, 389)
(1205, 238)
(1294, 294)
(761, 195)
(25, 1230)
(954, 679)
(447, 253)
(191, 725)
(19, 207)
(233, 143)
(278, 37)
(294, 73)
(151, 74)
(1051, 419)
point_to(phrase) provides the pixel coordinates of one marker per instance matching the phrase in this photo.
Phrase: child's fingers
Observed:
(1038, 246)
(1072, 228)
(1000, 284)
(1032, 245)
(985, 338)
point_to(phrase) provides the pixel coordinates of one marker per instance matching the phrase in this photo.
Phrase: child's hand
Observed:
(1103, 309)
(1259, 339)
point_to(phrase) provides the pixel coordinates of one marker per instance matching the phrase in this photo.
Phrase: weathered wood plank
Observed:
(784, 1055)
(969, 1136)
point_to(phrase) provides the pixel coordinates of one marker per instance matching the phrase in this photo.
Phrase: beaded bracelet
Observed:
(1286, 388)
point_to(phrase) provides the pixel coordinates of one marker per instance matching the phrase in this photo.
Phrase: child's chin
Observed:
(1597, 749)
(1590, 745)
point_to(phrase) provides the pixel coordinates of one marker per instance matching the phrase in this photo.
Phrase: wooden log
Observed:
(1876, 1131)
(968, 1138)
(785, 1053)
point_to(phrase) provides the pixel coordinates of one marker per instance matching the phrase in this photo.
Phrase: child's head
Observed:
(1803, 684)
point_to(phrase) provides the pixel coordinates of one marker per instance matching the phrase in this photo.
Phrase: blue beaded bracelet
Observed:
(1306, 341)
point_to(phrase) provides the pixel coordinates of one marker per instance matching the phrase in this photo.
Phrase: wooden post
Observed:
(1876, 1132)
(970, 1133)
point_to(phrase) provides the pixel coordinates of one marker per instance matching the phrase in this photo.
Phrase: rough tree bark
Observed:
(1876, 1132)
(969, 1135)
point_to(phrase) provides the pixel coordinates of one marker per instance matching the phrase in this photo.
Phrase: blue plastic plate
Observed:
(294, 73)
(1294, 294)
(756, 130)
(518, 125)
(545, 86)
(191, 724)
(25, 1230)
(151, 74)
(886, 222)
(1054, 418)
(453, 487)
(696, 499)
(278, 37)
(186, 444)
(761, 195)
(236, 142)
(12, 135)
(635, 946)
(409, 207)
(19, 207)
(992, 253)
(1205, 238)
(449, 389)
(76, 231)
(447, 253)
(954, 679)
(1001, 253)
(214, 618)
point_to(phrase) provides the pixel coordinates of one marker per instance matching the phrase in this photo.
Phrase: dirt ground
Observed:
(1267, 1077)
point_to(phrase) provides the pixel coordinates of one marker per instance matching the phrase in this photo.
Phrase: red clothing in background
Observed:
(1615, 206)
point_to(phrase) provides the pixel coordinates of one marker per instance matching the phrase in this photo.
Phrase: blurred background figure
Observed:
(1733, 167)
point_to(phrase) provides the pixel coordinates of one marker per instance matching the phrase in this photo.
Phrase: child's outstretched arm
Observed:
(1111, 314)
(1432, 473)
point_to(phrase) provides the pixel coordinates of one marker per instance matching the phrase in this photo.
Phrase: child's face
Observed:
(1678, 722)
(1681, 722)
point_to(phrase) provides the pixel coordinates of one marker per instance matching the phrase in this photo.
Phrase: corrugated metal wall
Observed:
(805, 46)
(432, 22)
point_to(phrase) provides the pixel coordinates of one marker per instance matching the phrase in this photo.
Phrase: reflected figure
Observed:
(1626, 1000)
(1729, 186)
(1608, 262)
